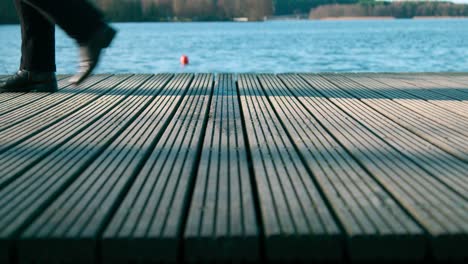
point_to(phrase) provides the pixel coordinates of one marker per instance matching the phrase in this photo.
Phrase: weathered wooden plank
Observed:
(446, 80)
(78, 216)
(19, 125)
(221, 225)
(297, 223)
(461, 76)
(453, 92)
(441, 211)
(17, 158)
(54, 103)
(324, 156)
(438, 99)
(45, 160)
(59, 76)
(27, 98)
(4, 97)
(457, 78)
(424, 75)
(148, 225)
(451, 141)
(436, 162)
(460, 82)
(375, 226)
(449, 74)
(437, 114)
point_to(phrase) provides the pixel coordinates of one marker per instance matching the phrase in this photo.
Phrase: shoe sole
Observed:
(37, 88)
(42, 88)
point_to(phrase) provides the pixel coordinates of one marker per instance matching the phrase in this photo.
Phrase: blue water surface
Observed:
(281, 46)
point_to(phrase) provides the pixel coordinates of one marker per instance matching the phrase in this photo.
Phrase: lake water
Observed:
(283, 46)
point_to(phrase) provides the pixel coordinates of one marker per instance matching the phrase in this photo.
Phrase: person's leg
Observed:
(37, 69)
(78, 18)
(83, 22)
(38, 40)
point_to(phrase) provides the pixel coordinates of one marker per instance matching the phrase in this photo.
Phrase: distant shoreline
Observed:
(345, 18)
(440, 17)
(390, 10)
(356, 18)
(270, 19)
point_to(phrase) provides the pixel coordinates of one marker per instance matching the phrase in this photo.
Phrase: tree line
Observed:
(391, 9)
(287, 7)
(208, 10)
(167, 10)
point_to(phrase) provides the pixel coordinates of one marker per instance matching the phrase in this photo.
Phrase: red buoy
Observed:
(184, 60)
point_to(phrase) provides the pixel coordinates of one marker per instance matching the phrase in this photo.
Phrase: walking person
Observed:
(79, 19)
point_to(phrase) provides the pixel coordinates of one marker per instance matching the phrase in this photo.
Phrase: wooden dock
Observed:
(236, 168)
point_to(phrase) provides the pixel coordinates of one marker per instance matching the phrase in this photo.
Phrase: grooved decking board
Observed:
(437, 114)
(22, 123)
(42, 179)
(17, 158)
(4, 97)
(451, 86)
(297, 223)
(450, 140)
(454, 93)
(46, 103)
(148, 225)
(440, 211)
(375, 226)
(77, 217)
(462, 79)
(166, 168)
(453, 81)
(455, 106)
(28, 98)
(221, 224)
(435, 161)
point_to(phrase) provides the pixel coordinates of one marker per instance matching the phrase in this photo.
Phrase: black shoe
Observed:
(90, 52)
(27, 81)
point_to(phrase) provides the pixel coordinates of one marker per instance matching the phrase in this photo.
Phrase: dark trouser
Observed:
(78, 18)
